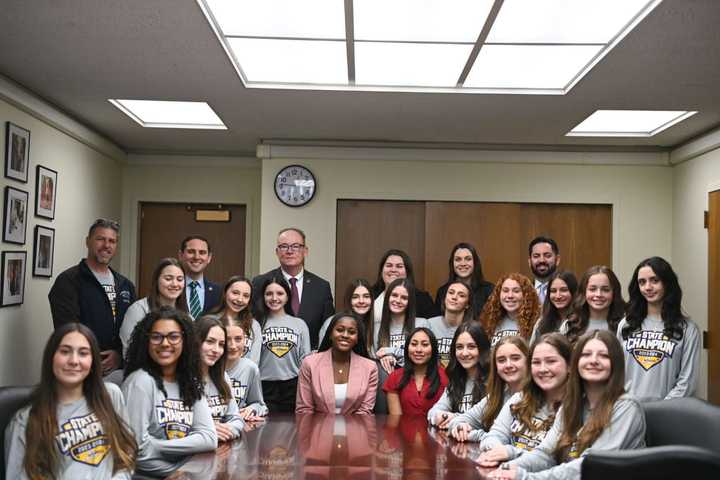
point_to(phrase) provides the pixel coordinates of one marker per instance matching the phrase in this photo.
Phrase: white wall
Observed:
(194, 179)
(88, 188)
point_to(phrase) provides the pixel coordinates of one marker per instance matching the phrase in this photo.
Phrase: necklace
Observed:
(340, 369)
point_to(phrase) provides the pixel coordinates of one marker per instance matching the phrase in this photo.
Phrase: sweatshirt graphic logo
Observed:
(444, 350)
(502, 334)
(239, 391)
(649, 347)
(218, 407)
(175, 418)
(83, 439)
(523, 438)
(280, 340)
(466, 403)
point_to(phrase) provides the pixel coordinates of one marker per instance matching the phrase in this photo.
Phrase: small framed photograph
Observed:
(44, 251)
(45, 192)
(12, 278)
(15, 225)
(17, 152)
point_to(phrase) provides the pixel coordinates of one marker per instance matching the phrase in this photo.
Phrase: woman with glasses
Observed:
(163, 389)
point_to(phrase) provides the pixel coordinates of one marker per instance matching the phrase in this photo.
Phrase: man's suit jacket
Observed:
(316, 385)
(213, 295)
(316, 303)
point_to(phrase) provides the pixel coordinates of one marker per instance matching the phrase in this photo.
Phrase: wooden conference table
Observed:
(317, 446)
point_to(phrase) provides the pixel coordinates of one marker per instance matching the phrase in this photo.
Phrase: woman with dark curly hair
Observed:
(163, 389)
(598, 305)
(655, 323)
(512, 309)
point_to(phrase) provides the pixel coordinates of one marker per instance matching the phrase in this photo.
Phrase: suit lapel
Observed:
(327, 381)
(354, 381)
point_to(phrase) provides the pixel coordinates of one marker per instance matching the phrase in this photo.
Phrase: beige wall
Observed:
(88, 188)
(159, 178)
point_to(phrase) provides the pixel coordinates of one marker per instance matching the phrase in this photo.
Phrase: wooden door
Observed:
(164, 225)
(713, 345)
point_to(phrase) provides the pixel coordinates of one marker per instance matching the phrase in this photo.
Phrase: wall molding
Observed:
(192, 161)
(694, 148)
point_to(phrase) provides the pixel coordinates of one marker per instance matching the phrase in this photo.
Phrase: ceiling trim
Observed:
(696, 147)
(189, 161)
(44, 111)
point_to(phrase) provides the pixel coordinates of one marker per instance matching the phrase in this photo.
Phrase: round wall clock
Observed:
(295, 185)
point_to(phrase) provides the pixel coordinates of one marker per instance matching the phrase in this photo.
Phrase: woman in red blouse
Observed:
(414, 389)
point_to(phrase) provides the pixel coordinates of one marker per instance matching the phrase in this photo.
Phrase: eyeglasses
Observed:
(173, 338)
(295, 247)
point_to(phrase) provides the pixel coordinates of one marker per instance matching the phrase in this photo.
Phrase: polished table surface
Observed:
(317, 446)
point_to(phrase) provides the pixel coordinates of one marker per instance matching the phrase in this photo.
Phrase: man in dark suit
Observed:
(311, 298)
(202, 294)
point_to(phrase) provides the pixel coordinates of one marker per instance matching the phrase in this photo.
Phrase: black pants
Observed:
(279, 395)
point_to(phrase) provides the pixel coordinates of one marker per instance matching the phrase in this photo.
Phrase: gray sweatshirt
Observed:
(625, 431)
(222, 411)
(593, 324)
(509, 431)
(285, 342)
(506, 328)
(443, 405)
(166, 430)
(245, 385)
(397, 340)
(473, 417)
(133, 315)
(84, 449)
(657, 367)
(444, 334)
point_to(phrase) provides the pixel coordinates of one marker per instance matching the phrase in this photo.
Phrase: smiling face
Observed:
(237, 296)
(510, 363)
(548, 368)
(594, 365)
(560, 295)
(463, 263)
(171, 283)
(291, 250)
(275, 298)
(344, 335)
(467, 352)
(212, 347)
(398, 300)
(361, 300)
(543, 260)
(420, 348)
(511, 296)
(235, 343)
(651, 287)
(165, 354)
(196, 256)
(72, 360)
(456, 298)
(101, 245)
(394, 267)
(599, 294)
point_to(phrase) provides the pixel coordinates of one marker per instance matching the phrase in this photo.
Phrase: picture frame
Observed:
(12, 278)
(45, 192)
(43, 251)
(17, 152)
(16, 216)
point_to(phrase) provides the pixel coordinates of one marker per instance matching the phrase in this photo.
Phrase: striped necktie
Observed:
(195, 308)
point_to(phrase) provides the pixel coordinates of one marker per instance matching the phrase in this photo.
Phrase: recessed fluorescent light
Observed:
(564, 21)
(414, 20)
(291, 61)
(167, 114)
(280, 18)
(628, 123)
(529, 66)
(409, 64)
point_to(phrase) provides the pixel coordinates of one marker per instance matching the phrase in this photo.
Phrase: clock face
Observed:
(295, 185)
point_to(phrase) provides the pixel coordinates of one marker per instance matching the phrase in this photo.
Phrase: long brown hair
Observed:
(493, 312)
(409, 324)
(533, 397)
(496, 385)
(217, 371)
(42, 457)
(154, 295)
(574, 431)
(244, 317)
(369, 317)
(580, 318)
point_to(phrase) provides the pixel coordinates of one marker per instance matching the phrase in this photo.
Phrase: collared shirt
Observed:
(299, 283)
(541, 288)
(200, 291)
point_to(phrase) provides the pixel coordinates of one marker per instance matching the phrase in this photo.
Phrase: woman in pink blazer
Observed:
(340, 378)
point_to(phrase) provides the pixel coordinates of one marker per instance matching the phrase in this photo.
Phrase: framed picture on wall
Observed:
(17, 152)
(12, 278)
(15, 224)
(45, 192)
(44, 251)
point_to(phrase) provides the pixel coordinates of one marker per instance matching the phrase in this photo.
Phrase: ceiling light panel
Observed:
(628, 123)
(565, 21)
(169, 114)
(280, 18)
(409, 64)
(420, 20)
(291, 61)
(529, 66)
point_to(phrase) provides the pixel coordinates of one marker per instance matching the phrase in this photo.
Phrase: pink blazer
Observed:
(316, 385)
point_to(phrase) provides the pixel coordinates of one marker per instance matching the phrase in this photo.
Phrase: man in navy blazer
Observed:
(315, 301)
(196, 255)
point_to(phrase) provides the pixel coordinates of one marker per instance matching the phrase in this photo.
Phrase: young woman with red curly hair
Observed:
(512, 309)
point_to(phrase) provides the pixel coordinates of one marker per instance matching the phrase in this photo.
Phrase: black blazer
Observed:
(316, 303)
(213, 295)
